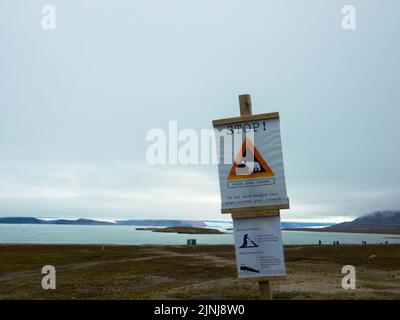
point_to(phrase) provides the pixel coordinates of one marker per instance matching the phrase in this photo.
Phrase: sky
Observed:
(77, 102)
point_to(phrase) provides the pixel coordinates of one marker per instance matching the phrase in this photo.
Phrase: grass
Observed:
(180, 272)
(387, 257)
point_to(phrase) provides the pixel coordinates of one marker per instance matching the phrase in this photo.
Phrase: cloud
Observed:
(75, 113)
(114, 190)
(136, 190)
(325, 202)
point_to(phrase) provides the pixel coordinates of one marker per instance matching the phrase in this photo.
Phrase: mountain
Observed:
(80, 222)
(386, 222)
(163, 223)
(152, 223)
(146, 222)
(297, 225)
(30, 220)
(20, 220)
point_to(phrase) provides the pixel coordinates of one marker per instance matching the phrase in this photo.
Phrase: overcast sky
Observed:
(76, 103)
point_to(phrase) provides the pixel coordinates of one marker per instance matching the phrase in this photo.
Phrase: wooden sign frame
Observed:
(247, 116)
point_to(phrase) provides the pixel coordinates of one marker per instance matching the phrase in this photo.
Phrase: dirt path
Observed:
(69, 267)
(82, 265)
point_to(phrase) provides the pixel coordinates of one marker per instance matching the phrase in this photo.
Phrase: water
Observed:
(36, 233)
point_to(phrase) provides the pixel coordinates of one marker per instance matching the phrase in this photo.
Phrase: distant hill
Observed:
(185, 230)
(21, 220)
(163, 223)
(152, 223)
(80, 222)
(146, 222)
(297, 225)
(386, 222)
(29, 220)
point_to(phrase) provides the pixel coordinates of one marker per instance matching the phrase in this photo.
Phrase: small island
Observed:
(185, 230)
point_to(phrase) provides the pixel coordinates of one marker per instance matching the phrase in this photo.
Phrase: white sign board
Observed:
(258, 247)
(259, 182)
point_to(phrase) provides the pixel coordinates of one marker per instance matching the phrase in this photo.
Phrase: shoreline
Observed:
(128, 236)
(326, 245)
(381, 232)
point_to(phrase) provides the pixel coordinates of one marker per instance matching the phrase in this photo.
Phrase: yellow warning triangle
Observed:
(240, 170)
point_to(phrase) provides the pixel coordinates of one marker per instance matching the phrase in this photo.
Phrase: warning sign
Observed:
(258, 247)
(254, 178)
(243, 168)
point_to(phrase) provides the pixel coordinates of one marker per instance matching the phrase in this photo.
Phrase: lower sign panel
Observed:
(258, 247)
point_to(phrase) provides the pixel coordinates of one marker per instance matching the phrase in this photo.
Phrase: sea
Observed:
(128, 235)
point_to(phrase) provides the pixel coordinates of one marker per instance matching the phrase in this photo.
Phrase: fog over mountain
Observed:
(377, 222)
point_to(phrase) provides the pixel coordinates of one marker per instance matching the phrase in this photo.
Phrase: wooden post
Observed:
(245, 105)
(246, 110)
(265, 290)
